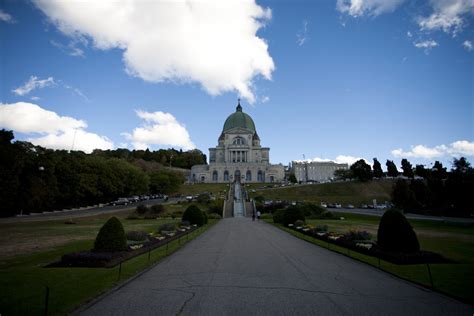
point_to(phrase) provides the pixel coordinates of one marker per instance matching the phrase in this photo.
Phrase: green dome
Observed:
(239, 119)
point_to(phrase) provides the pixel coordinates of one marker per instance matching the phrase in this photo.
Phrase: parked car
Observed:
(121, 201)
(134, 199)
(337, 205)
(323, 204)
(189, 198)
(350, 206)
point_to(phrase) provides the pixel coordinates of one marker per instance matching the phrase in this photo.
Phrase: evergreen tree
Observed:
(407, 168)
(361, 170)
(391, 169)
(378, 173)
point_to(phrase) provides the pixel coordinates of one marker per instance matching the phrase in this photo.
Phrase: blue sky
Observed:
(328, 79)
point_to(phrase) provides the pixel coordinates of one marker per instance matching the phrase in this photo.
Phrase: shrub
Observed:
(396, 234)
(354, 235)
(150, 216)
(214, 216)
(326, 215)
(141, 209)
(204, 214)
(133, 215)
(216, 206)
(203, 198)
(194, 215)
(278, 216)
(137, 235)
(299, 223)
(167, 227)
(157, 209)
(291, 214)
(111, 237)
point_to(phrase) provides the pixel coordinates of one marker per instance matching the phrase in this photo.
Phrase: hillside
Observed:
(355, 193)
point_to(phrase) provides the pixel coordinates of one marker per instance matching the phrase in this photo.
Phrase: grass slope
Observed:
(353, 192)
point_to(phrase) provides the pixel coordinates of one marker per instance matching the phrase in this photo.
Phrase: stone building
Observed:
(313, 171)
(238, 155)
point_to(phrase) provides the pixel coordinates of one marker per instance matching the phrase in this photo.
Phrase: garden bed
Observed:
(370, 248)
(94, 259)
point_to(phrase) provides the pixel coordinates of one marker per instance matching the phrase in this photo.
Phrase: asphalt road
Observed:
(240, 267)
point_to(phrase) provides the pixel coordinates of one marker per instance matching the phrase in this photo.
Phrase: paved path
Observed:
(240, 267)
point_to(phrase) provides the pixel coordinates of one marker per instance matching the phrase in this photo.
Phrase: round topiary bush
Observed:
(396, 234)
(111, 237)
(278, 216)
(292, 214)
(194, 215)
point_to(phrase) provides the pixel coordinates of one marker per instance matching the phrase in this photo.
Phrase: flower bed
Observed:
(370, 248)
(94, 259)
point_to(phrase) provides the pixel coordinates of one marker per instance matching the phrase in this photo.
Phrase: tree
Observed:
(378, 173)
(438, 171)
(361, 170)
(391, 169)
(111, 237)
(421, 171)
(292, 178)
(407, 168)
(461, 165)
(343, 174)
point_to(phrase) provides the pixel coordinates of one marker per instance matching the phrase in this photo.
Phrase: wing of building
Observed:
(238, 155)
(313, 171)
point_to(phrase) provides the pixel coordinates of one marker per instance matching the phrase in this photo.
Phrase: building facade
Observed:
(316, 171)
(238, 155)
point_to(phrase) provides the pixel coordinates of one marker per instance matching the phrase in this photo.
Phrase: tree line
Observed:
(434, 191)
(36, 179)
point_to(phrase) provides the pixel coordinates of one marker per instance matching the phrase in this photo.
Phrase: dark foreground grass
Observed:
(455, 243)
(23, 279)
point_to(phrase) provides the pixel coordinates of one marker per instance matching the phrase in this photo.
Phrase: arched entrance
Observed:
(237, 175)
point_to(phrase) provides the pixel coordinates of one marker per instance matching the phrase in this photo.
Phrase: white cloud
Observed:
(426, 45)
(409, 34)
(302, 35)
(455, 149)
(468, 45)
(59, 132)
(34, 83)
(161, 129)
(5, 17)
(265, 99)
(213, 42)
(71, 48)
(35, 98)
(358, 8)
(448, 15)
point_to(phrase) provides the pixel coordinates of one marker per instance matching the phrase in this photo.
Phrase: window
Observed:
(226, 175)
(248, 176)
(214, 176)
(260, 177)
(238, 141)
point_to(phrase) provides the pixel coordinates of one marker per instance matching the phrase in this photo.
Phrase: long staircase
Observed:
(237, 204)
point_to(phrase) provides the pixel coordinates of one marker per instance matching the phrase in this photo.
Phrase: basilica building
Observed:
(238, 155)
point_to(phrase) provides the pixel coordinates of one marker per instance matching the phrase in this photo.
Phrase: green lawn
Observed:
(453, 242)
(353, 192)
(23, 278)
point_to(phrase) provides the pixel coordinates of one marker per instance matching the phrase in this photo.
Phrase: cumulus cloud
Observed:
(32, 84)
(455, 149)
(213, 42)
(426, 45)
(161, 129)
(58, 132)
(358, 8)
(5, 17)
(447, 15)
(468, 45)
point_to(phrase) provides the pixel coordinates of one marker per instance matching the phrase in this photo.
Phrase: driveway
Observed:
(240, 267)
